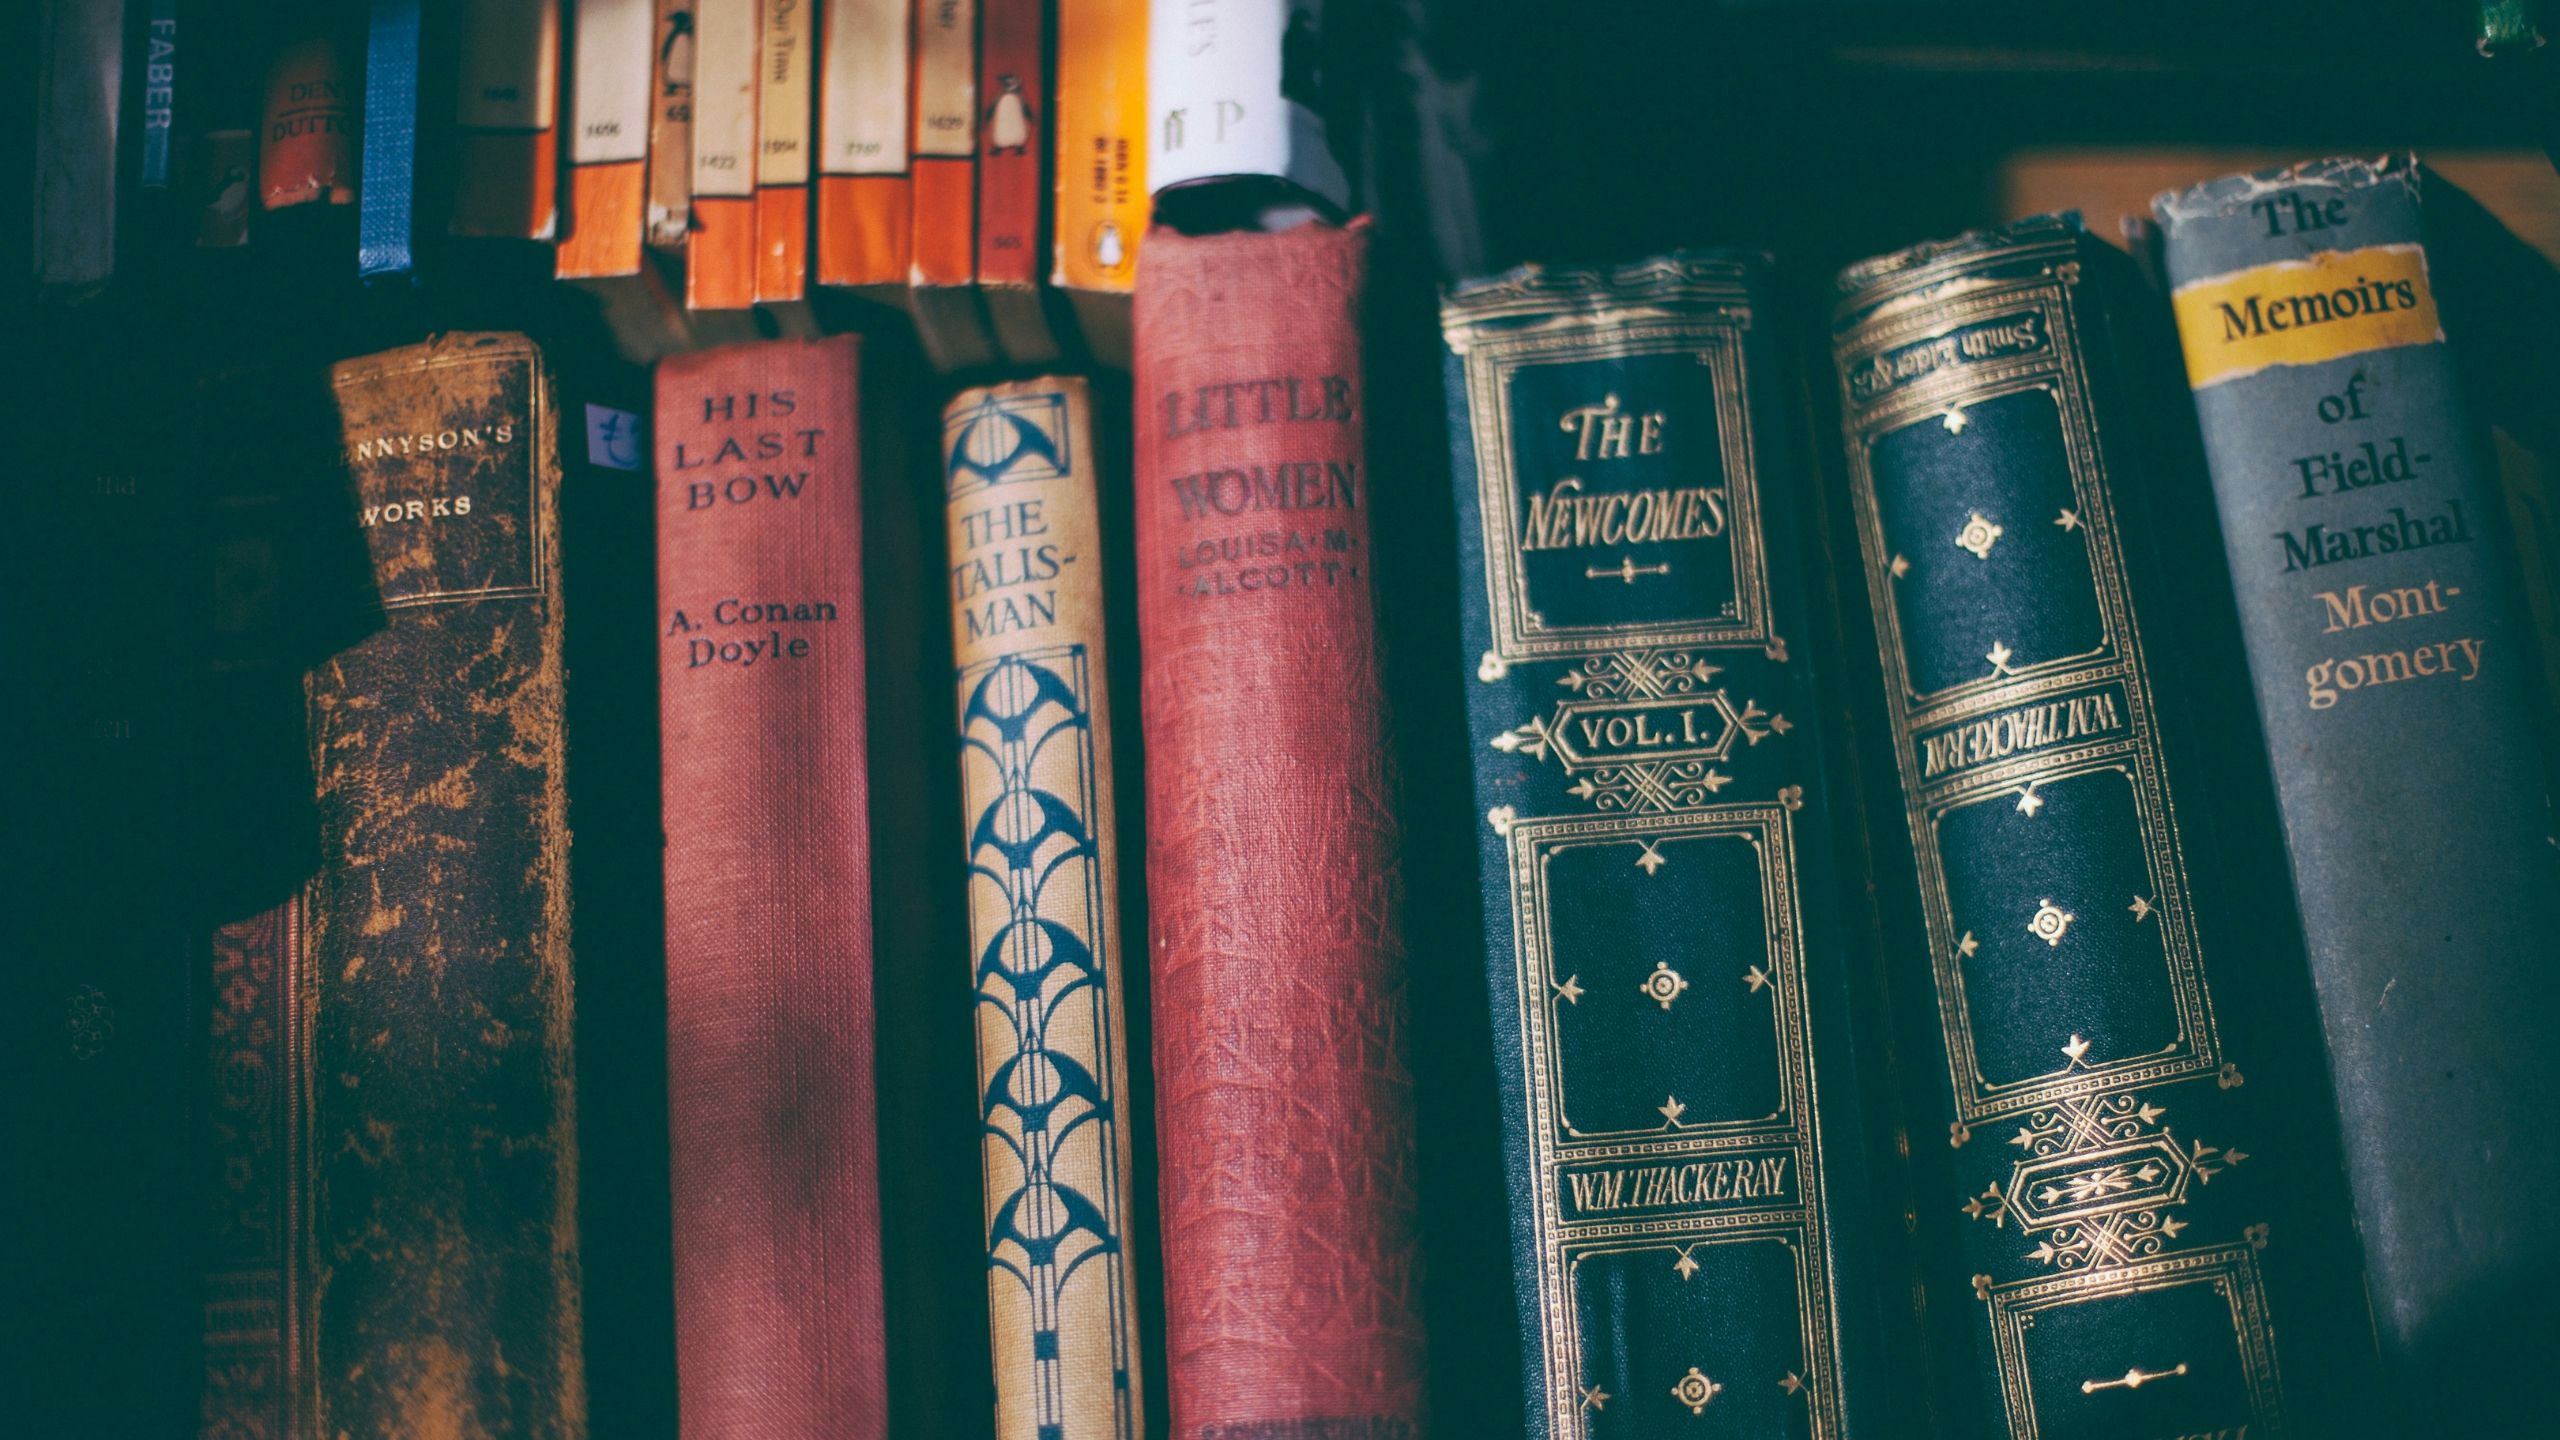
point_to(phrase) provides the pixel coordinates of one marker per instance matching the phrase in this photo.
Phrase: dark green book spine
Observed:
(2130, 1198)
(1668, 964)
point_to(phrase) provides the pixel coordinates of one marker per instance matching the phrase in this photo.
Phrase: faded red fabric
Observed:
(779, 1326)
(1284, 1098)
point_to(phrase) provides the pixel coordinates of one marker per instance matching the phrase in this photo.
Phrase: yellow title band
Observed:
(2302, 312)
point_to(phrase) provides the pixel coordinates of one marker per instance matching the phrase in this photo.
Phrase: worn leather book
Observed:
(507, 104)
(608, 145)
(1669, 964)
(2394, 655)
(2125, 1187)
(1099, 207)
(1285, 1097)
(1014, 102)
(787, 60)
(865, 200)
(720, 246)
(395, 1238)
(1045, 946)
(779, 1327)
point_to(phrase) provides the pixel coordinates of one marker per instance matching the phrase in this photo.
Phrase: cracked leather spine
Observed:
(1285, 1091)
(2127, 1199)
(1670, 973)
(414, 1004)
(779, 1321)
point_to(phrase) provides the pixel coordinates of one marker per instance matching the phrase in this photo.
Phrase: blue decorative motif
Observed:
(1054, 1183)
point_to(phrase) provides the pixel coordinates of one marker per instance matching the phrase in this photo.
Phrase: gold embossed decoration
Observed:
(1664, 985)
(2051, 922)
(1696, 1391)
(1978, 536)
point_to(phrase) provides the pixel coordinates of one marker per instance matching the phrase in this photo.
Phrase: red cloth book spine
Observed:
(1284, 1098)
(779, 1322)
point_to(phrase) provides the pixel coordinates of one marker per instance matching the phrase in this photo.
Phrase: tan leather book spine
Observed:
(507, 105)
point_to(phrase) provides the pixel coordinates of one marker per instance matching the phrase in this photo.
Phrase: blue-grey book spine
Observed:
(1661, 896)
(2398, 682)
(2125, 1207)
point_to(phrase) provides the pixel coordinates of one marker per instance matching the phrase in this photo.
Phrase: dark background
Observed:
(146, 803)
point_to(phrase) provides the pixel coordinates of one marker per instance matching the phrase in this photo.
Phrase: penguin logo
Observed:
(675, 54)
(1109, 250)
(1009, 118)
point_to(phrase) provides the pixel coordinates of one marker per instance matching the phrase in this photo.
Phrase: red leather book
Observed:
(779, 1325)
(1284, 1099)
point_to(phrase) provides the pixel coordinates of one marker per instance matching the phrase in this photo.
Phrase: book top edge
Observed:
(2230, 194)
(1922, 266)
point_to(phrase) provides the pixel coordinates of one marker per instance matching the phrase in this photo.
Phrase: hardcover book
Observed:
(779, 1324)
(1285, 1109)
(307, 149)
(395, 1137)
(865, 199)
(1668, 964)
(1045, 947)
(2129, 1227)
(78, 78)
(2394, 655)
(386, 179)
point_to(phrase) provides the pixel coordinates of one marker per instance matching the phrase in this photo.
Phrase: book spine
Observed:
(306, 150)
(79, 73)
(1013, 154)
(1272, 861)
(254, 1121)
(783, 119)
(2119, 1161)
(671, 67)
(506, 103)
(1661, 941)
(159, 97)
(2393, 655)
(387, 177)
(1228, 86)
(720, 249)
(440, 1275)
(1027, 634)
(946, 142)
(865, 213)
(779, 1321)
(1101, 105)
(609, 102)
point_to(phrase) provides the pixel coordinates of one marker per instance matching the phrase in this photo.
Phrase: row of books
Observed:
(986, 165)
(1896, 893)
